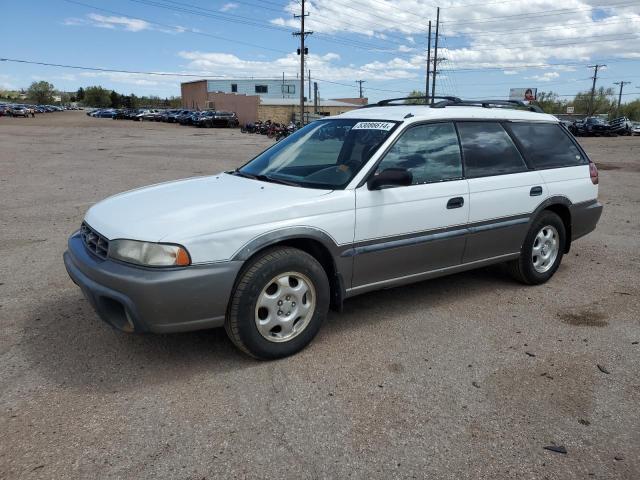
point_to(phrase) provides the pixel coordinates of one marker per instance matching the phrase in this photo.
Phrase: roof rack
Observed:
(389, 101)
(487, 104)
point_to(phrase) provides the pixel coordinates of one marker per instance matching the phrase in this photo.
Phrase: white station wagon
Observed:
(370, 199)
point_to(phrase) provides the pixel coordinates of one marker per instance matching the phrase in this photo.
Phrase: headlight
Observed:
(149, 254)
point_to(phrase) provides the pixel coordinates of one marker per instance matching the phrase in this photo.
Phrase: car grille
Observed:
(95, 243)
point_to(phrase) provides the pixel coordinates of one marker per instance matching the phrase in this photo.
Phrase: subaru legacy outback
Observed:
(374, 198)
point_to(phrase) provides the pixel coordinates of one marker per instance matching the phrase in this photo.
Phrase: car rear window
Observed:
(488, 150)
(546, 145)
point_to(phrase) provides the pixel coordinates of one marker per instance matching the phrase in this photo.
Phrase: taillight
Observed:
(593, 172)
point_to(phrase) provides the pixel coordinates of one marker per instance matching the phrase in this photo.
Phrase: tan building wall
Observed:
(355, 101)
(194, 94)
(245, 106)
(285, 113)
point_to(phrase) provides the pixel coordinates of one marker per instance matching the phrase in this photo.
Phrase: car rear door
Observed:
(405, 231)
(503, 190)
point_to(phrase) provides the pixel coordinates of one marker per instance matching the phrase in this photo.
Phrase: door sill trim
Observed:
(415, 277)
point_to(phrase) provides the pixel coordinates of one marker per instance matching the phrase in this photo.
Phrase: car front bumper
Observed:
(159, 300)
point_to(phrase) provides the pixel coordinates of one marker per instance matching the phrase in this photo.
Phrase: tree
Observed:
(80, 94)
(116, 99)
(550, 102)
(602, 101)
(41, 92)
(97, 97)
(631, 110)
(417, 101)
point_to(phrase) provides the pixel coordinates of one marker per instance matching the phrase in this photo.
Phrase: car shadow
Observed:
(65, 341)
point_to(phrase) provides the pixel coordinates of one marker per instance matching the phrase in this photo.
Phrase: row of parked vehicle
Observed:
(26, 110)
(196, 118)
(597, 126)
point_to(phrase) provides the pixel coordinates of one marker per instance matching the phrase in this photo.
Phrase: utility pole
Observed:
(426, 86)
(593, 86)
(302, 52)
(360, 82)
(435, 58)
(622, 84)
(315, 97)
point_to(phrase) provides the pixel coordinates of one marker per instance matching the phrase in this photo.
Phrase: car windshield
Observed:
(325, 154)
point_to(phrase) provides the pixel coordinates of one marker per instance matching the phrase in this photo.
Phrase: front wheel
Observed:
(279, 303)
(542, 250)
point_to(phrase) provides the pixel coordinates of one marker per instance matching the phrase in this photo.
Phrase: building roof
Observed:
(296, 101)
(400, 112)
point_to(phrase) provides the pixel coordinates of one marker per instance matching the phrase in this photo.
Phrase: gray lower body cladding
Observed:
(584, 218)
(403, 259)
(136, 299)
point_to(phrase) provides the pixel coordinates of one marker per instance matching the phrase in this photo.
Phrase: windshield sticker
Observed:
(373, 126)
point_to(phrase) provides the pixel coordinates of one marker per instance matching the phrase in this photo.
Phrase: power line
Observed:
(179, 28)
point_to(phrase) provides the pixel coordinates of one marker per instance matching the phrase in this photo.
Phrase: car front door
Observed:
(503, 191)
(405, 231)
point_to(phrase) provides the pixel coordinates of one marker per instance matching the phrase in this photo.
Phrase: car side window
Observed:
(546, 145)
(430, 152)
(488, 150)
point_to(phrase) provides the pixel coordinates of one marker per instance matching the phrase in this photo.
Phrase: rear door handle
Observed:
(455, 202)
(535, 191)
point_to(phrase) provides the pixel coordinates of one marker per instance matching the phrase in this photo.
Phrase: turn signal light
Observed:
(182, 257)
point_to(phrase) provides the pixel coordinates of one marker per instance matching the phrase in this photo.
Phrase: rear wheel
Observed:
(542, 250)
(279, 303)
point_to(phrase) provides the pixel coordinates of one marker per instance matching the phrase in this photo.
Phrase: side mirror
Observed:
(390, 177)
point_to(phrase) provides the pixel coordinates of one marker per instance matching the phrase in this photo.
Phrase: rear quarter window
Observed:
(488, 150)
(546, 145)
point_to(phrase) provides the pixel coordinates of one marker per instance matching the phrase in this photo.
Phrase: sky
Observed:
(487, 47)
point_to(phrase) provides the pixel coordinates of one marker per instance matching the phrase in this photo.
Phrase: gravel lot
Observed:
(468, 376)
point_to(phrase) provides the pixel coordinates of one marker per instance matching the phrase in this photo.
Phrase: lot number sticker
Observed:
(373, 126)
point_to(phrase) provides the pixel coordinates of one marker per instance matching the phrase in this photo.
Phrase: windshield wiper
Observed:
(268, 178)
(244, 174)
(264, 178)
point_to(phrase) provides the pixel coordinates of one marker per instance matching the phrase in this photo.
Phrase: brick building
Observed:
(260, 106)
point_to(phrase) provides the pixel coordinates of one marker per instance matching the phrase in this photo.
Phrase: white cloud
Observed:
(130, 24)
(321, 66)
(493, 34)
(125, 23)
(229, 6)
(545, 77)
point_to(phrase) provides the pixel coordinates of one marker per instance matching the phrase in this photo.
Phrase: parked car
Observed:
(265, 250)
(635, 129)
(186, 118)
(20, 111)
(591, 126)
(621, 126)
(147, 114)
(202, 119)
(224, 119)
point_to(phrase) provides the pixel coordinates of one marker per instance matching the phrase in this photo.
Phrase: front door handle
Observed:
(455, 202)
(535, 191)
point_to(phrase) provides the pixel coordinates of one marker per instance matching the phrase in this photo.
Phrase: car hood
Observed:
(180, 210)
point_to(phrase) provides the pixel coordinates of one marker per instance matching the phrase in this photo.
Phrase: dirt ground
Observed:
(468, 376)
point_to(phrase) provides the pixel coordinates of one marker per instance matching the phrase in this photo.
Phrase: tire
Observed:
(266, 292)
(532, 269)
